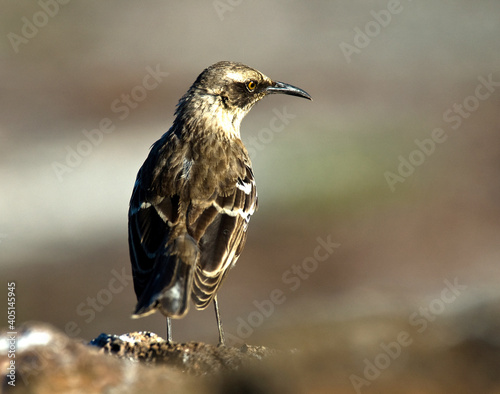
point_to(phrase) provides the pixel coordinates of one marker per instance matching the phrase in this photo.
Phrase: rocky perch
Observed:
(195, 358)
(48, 361)
(379, 353)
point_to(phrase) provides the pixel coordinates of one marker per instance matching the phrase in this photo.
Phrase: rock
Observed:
(382, 352)
(195, 358)
(48, 361)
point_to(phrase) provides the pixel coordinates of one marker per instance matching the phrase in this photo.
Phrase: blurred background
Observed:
(400, 222)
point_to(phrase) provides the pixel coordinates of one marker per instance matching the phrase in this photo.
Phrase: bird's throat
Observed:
(210, 113)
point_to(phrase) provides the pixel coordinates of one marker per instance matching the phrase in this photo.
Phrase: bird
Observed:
(195, 193)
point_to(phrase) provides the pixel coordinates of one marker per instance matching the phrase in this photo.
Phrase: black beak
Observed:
(284, 88)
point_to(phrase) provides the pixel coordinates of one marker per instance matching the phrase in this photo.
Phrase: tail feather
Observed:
(171, 280)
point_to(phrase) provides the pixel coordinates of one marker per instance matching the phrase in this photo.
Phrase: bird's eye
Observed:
(251, 85)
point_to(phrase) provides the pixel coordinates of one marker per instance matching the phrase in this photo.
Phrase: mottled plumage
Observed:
(195, 193)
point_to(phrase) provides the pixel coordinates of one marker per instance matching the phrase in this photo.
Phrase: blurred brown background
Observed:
(417, 67)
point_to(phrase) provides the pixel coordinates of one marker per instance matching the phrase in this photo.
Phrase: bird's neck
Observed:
(205, 114)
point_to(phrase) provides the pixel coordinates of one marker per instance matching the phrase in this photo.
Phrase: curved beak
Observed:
(284, 88)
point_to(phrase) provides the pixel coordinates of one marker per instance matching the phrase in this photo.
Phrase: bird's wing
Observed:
(220, 225)
(209, 207)
(148, 231)
(163, 258)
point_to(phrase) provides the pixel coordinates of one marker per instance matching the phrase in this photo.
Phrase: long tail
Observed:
(170, 280)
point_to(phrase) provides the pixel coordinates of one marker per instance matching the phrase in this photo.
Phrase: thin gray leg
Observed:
(169, 330)
(222, 341)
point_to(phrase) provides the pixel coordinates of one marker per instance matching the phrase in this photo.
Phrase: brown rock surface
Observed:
(193, 357)
(379, 353)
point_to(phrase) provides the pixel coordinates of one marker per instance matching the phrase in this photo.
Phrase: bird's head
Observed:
(226, 91)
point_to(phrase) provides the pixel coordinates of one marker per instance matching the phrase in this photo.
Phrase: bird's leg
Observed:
(169, 330)
(222, 341)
